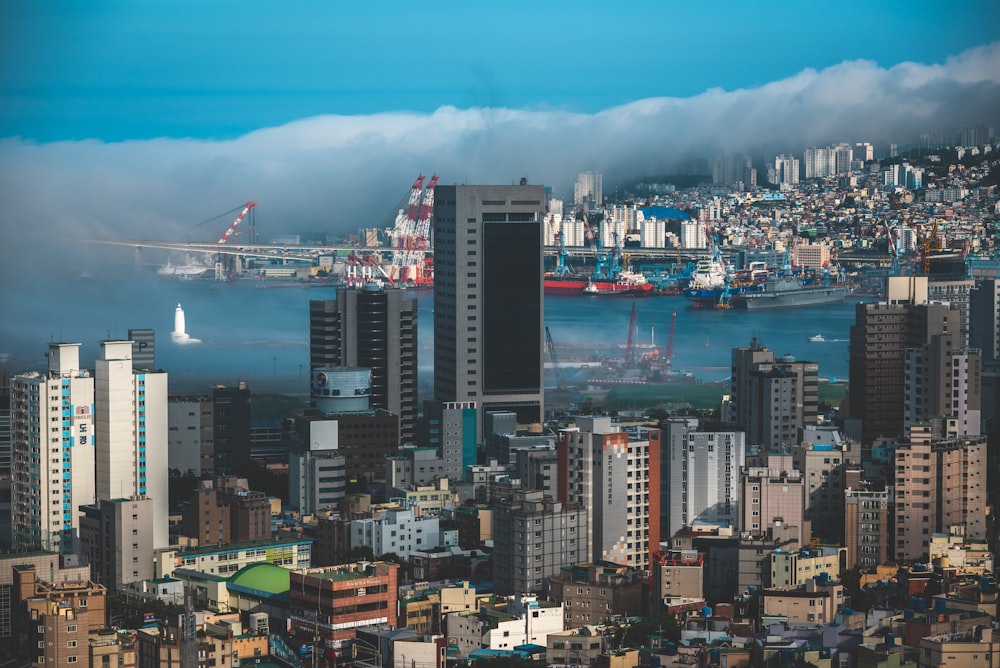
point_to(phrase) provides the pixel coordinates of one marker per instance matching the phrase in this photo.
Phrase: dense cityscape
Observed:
(378, 525)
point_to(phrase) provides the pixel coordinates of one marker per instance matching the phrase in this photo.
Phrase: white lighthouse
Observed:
(180, 335)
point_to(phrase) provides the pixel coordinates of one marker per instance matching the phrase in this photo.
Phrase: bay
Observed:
(261, 335)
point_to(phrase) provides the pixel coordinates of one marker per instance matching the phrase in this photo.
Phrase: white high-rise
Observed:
(131, 423)
(587, 191)
(52, 438)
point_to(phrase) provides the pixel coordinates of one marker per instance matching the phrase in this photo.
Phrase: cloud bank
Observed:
(342, 173)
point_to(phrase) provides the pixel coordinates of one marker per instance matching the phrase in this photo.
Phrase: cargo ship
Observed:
(791, 292)
(624, 283)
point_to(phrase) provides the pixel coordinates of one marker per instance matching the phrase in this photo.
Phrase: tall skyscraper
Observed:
(376, 328)
(488, 303)
(617, 476)
(130, 409)
(52, 433)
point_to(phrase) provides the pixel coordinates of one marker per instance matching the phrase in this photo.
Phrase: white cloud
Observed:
(341, 173)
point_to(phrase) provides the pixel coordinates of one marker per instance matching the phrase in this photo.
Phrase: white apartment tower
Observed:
(587, 191)
(700, 476)
(131, 430)
(52, 441)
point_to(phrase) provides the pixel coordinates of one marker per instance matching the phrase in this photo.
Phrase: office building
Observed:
(143, 348)
(984, 320)
(131, 434)
(700, 473)
(488, 302)
(374, 327)
(617, 476)
(117, 542)
(940, 486)
(534, 538)
(335, 600)
(231, 429)
(773, 399)
(52, 440)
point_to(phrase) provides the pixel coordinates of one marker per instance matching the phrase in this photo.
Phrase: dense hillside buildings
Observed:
(617, 476)
(488, 301)
(373, 327)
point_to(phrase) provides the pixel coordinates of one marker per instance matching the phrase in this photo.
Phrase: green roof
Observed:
(263, 577)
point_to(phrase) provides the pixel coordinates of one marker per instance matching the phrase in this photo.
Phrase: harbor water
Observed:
(261, 335)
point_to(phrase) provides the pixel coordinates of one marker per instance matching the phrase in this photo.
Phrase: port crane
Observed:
(220, 273)
(412, 231)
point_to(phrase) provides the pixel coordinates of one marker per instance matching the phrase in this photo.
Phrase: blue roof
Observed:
(664, 213)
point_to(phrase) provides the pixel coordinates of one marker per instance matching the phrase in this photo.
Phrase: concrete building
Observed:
(943, 379)
(397, 531)
(771, 497)
(699, 473)
(459, 437)
(617, 475)
(230, 429)
(226, 509)
(527, 621)
(816, 602)
(867, 527)
(336, 600)
(679, 575)
(54, 566)
(786, 170)
(971, 649)
(131, 434)
(226, 559)
(815, 256)
(52, 441)
(190, 437)
(791, 568)
(534, 538)
(116, 540)
(374, 327)
(143, 349)
(488, 298)
(414, 466)
(939, 485)
(593, 593)
(880, 337)
(823, 458)
(773, 399)
(59, 603)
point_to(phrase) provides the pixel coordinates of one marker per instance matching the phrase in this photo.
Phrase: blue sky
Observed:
(123, 69)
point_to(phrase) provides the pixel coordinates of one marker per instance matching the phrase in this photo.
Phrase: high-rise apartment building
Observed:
(772, 497)
(943, 379)
(488, 303)
(879, 339)
(699, 474)
(823, 457)
(373, 327)
(143, 348)
(617, 476)
(130, 415)
(534, 538)
(773, 399)
(588, 190)
(786, 170)
(53, 444)
(191, 432)
(867, 514)
(939, 485)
